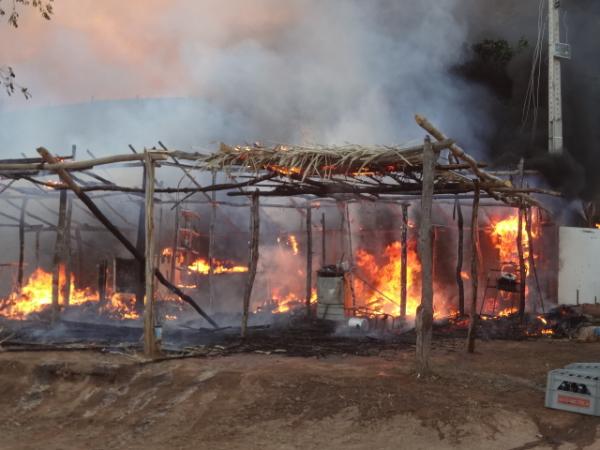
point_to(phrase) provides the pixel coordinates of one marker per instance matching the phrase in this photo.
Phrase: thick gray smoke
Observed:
(294, 71)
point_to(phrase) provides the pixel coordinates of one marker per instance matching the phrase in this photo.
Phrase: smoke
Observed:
(295, 71)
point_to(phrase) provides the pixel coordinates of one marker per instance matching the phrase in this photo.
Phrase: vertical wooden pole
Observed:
(308, 258)
(404, 260)
(522, 268)
(211, 245)
(21, 243)
(459, 258)
(150, 348)
(424, 319)
(102, 271)
(253, 259)
(66, 256)
(532, 265)
(474, 270)
(58, 253)
(79, 242)
(140, 247)
(37, 248)
(173, 274)
(342, 254)
(350, 258)
(323, 242)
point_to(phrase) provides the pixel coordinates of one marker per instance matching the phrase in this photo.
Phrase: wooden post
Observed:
(140, 246)
(522, 269)
(58, 253)
(102, 272)
(37, 248)
(342, 254)
(173, 268)
(350, 258)
(474, 270)
(211, 245)
(79, 241)
(253, 259)
(323, 242)
(532, 264)
(404, 260)
(150, 348)
(308, 258)
(459, 259)
(66, 256)
(424, 319)
(21, 243)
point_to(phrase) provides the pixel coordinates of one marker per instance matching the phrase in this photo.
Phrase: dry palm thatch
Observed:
(318, 161)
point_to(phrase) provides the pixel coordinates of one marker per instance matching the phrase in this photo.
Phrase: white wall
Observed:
(579, 265)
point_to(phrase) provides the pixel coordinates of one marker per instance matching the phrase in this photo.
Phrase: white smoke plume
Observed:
(192, 72)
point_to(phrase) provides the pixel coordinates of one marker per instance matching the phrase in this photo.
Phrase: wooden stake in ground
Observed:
(474, 270)
(522, 268)
(424, 319)
(308, 258)
(404, 260)
(58, 254)
(253, 259)
(150, 348)
(21, 243)
(459, 258)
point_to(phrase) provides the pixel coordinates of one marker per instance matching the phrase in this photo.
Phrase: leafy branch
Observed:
(44, 7)
(7, 80)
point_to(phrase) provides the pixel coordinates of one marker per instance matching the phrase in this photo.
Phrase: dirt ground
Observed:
(492, 400)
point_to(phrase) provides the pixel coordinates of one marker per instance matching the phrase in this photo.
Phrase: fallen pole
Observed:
(68, 180)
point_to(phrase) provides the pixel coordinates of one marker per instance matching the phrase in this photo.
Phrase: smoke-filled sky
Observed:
(195, 72)
(242, 70)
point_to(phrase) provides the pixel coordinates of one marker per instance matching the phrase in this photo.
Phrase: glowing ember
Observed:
(507, 312)
(282, 303)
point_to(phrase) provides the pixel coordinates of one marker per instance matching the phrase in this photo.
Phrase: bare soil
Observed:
(492, 400)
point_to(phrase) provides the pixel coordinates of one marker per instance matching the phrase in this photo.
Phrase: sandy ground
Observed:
(491, 400)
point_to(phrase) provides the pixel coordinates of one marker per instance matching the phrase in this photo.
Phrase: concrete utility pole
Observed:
(556, 52)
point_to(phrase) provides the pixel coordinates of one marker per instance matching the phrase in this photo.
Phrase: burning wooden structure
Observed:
(309, 176)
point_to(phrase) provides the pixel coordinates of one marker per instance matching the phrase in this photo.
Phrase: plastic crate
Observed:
(575, 389)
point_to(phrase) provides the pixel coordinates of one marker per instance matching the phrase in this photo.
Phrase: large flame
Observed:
(36, 296)
(383, 274)
(504, 234)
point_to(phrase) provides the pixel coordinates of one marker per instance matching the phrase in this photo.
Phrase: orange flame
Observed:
(385, 277)
(36, 296)
(202, 266)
